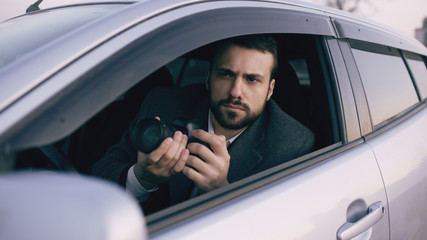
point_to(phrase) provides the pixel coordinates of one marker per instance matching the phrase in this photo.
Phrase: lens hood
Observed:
(149, 133)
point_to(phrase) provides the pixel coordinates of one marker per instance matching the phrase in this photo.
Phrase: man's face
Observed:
(239, 85)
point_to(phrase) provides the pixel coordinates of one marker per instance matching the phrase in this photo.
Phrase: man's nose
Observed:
(237, 88)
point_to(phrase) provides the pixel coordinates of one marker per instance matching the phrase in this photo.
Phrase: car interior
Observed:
(303, 90)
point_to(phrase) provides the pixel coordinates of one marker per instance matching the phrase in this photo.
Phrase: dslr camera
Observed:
(149, 133)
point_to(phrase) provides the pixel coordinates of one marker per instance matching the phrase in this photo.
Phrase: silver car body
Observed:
(372, 184)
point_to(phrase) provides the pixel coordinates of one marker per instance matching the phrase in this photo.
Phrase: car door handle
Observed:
(351, 230)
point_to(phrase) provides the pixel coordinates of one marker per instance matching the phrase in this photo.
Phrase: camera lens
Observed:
(149, 134)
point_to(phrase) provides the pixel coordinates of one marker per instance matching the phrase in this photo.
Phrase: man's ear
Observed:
(271, 89)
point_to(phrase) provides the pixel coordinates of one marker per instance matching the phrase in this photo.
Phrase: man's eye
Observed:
(253, 79)
(224, 74)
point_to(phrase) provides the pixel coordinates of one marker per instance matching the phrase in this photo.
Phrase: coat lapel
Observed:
(243, 151)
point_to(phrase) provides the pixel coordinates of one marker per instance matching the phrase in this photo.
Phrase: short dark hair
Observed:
(260, 42)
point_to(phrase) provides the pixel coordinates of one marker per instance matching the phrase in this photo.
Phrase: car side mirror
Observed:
(51, 205)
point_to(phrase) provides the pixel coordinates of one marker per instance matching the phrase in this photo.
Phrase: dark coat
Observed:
(274, 138)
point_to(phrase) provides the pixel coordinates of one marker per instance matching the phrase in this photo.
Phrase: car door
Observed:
(335, 192)
(398, 138)
(389, 77)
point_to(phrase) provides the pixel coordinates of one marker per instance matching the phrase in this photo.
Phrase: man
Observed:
(245, 132)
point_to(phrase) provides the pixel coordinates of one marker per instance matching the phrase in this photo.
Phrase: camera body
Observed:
(149, 133)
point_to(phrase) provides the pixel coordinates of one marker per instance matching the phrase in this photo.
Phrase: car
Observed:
(72, 77)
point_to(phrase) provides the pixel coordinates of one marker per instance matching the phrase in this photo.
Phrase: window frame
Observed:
(369, 130)
(407, 56)
(385, 53)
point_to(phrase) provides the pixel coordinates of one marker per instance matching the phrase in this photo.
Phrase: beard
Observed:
(230, 120)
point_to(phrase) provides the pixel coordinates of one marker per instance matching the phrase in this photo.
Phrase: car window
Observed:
(300, 91)
(419, 72)
(386, 80)
(52, 23)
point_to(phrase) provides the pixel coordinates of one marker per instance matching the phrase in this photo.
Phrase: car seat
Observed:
(289, 95)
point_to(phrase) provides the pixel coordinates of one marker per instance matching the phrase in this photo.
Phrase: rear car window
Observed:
(386, 80)
(419, 73)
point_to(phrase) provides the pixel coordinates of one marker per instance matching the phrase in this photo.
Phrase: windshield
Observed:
(24, 34)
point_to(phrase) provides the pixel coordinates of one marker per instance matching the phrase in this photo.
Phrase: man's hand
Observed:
(208, 168)
(159, 165)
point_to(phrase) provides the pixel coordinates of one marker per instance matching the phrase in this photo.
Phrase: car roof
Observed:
(167, 5)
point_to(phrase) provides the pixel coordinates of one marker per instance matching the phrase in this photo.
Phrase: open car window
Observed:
(303, 90)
